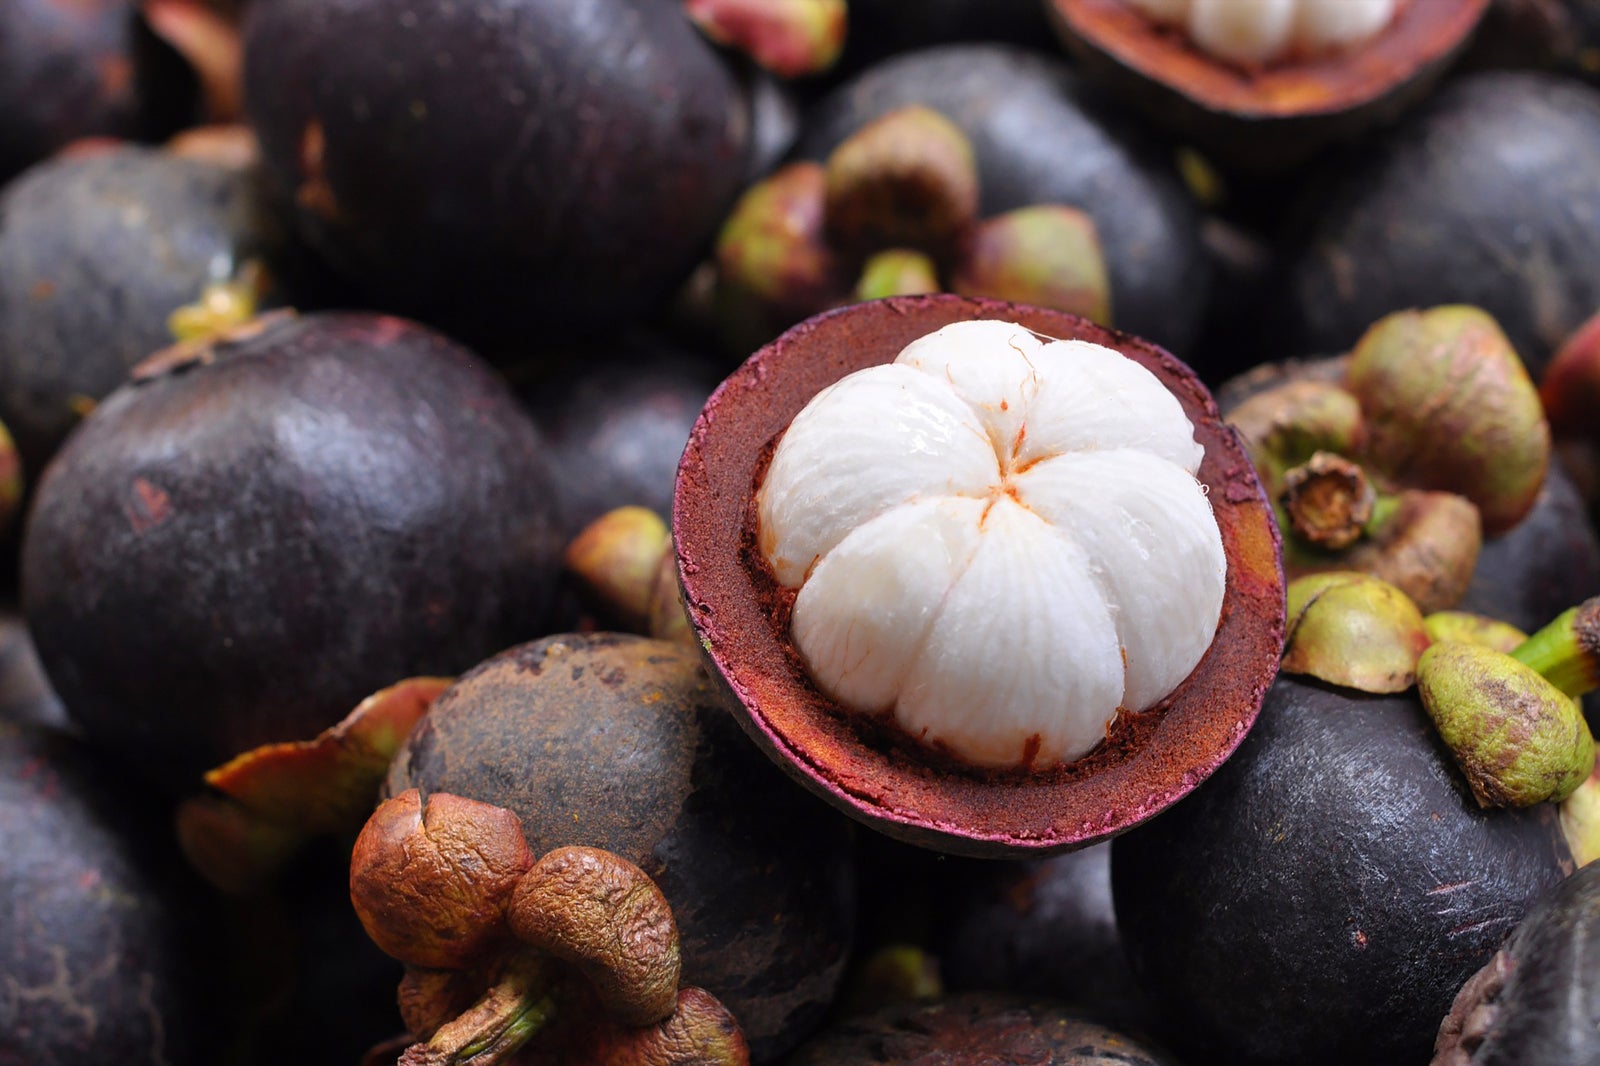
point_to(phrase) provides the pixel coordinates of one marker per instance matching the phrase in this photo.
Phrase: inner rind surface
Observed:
(991, 612)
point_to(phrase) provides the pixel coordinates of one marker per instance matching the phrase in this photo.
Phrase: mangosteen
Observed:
(96, 254)
(25, 693)
(976, 1030)
(616, 425)
(1038, 927)
(870, 524)
(258, 531)
(1536, 1000)
(84, 68)
(1478, 197)
(1263, 86)
(1324, 894)
(97, 937)
(499, 167)
(879, 28)
(1038, 136)
(621, 742)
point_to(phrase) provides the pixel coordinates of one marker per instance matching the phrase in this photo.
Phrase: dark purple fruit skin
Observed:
(1044, 928)
(617, 423)
(83, 68)
(879, 28)
(619, 742)
(25, 693)
(1041, 137)
(975, 1029)
(1548, 562)
(95, 253)
(1482, 196)
(1320, 899)
(505, 167)
(233, 554)
(1548, 1011)
(94, 936)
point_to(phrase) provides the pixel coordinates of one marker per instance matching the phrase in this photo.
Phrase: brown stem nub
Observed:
(1329, 500)
(495, 1028)
(602, 914)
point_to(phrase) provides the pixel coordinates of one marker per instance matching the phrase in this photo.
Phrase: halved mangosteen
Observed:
(1264, 85)
(1064, 764)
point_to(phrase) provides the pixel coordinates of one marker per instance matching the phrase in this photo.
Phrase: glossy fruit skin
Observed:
(1548, 1010)
(94, 943)
(502, 168)
(1478, 198)
(1040, 137)
(83, 68)
(975, 1029)
(1322, 897)
(237, 552)
(95, 253)
(619, 742)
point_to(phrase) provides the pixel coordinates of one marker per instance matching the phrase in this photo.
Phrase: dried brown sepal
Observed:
(1472, 628)
(907, 179)
(897, 272)
(774, 264)
(1285, 425)
(1328, 500)
(602, 914)
(235, 850)
(1450, 407)
(791, 38)
(430, 998)
(1045, 255)
(1354, 630)
(210, 44)
(1472, 1014)
(1426, 545)
(431, 879)
(328, 785)
(699, 1032)
(497, 1026)
(1570, 390)
(616, 558)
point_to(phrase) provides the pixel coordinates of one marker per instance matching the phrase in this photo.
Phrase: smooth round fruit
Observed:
(254, 535)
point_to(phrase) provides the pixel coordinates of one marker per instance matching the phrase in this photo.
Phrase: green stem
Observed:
(1567, 651)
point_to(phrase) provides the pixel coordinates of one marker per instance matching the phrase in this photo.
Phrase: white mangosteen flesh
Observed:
(998, 539)
(1268, 31)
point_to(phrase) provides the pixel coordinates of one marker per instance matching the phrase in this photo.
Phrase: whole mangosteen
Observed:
(1322, 897)
(1481, 196)
(96, 937)
(1039, 137)
(892, 520)
(1536, 1001)
(499, 167)
(622, 742)
(88, 68)
(976, 1029)
(96, 253)
(257, 532)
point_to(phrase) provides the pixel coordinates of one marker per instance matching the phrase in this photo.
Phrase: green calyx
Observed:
(1518, 739)
(1472, 628)
(1567, 651)
(1352, 629)
(897, 272)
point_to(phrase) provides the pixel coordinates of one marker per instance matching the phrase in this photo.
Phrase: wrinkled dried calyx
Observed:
(577, 950)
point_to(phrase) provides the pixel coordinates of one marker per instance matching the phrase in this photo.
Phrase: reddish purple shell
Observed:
(1149, 761)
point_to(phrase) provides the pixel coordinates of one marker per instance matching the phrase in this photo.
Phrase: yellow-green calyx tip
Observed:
(1474, 629)
(1567, 651)
(1518, 739)
(1352, 629)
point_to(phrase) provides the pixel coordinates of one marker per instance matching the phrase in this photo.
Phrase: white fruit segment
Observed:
(997, 539)
(1265, 31)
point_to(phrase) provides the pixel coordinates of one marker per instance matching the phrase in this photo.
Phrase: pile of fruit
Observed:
(709, 532)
